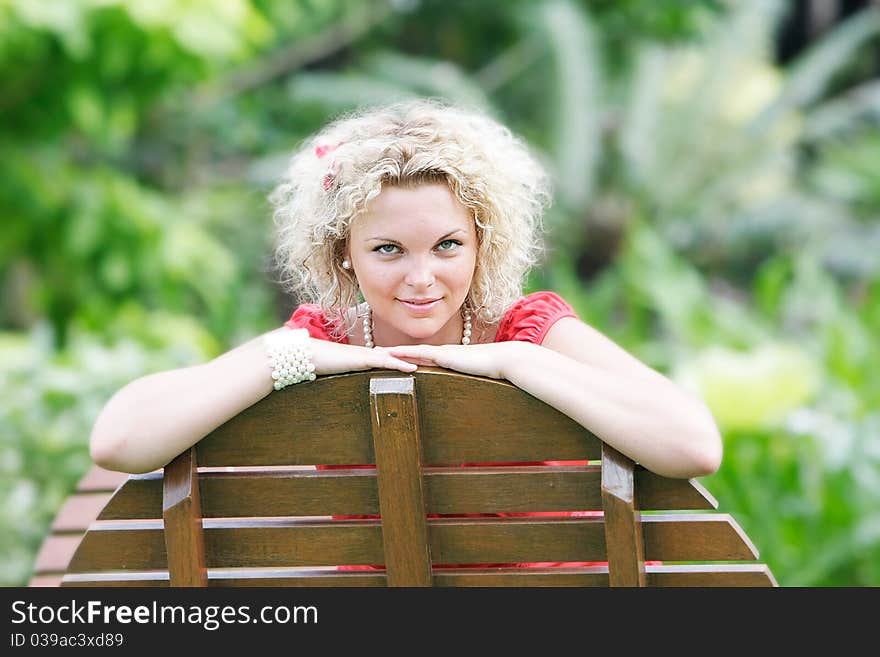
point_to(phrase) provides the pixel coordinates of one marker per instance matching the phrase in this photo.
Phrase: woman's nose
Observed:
(420, 274)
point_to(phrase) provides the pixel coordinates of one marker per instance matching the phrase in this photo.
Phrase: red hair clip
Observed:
(321, 151)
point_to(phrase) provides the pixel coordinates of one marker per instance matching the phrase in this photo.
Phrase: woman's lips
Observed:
(420, 308)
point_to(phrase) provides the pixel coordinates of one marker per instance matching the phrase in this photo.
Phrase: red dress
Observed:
(527, 320)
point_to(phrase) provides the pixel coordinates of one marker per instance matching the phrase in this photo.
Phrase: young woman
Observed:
(410, 229)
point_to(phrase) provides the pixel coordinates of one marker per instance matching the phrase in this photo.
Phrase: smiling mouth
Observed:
(420, 307)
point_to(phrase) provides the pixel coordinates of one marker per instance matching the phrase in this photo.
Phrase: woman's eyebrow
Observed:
(388, 239)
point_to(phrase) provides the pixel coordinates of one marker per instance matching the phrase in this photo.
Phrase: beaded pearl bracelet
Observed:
(290, 357)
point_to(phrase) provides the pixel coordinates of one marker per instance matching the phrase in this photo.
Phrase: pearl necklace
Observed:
(368, 328)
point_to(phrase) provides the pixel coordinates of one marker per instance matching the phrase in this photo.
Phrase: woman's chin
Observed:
(420, 332)
(417, 329)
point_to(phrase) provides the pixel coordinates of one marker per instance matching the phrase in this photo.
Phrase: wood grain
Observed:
(623, 528)
(249, 491)
(464, 419)
(701, 575)
(268, 518)
(182, 515)
(398, 469)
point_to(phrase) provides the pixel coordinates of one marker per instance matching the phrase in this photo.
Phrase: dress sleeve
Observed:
(309, 316)
(529, 319)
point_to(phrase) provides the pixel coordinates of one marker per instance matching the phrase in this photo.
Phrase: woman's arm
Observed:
(585, 375)
(630, 406)
(154, 418)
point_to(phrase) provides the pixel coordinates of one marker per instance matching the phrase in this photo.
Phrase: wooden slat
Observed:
(56, 552)
(702, 575)
(662, 493)
(623, 530)
(469, 419)
(121, 545)
(78, 512)
(259, 577)
(357, 542)
(326, 422)
(464, 419)
(112, 545)
(249, 492)
(695, 537)
(46, 581)
(518, 577)
(698, 575)
(99, 479)
(139, 545)
(117, 579)
(182, 515)
(71, 522)
(354, 492)
(139, 497)
(516, 540)
(290, 493)
(309, 577)
(398, 450)
(512, 489)
(585, 576)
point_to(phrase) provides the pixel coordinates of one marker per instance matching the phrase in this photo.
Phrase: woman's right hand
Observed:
(335, 358)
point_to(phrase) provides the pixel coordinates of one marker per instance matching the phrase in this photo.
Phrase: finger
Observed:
(403, 365)
(415, 358)
(412, 351)
(388, 361)
(423, 354)
(418, 361)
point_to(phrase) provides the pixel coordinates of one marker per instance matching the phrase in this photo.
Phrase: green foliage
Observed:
(86, 227)
(745, 196)
(50, 401)
(792, 380)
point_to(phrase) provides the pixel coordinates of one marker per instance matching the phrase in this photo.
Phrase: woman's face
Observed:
(414, 244)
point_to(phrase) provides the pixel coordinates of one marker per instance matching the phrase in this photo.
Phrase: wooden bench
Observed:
(92, 493)
(244, 507)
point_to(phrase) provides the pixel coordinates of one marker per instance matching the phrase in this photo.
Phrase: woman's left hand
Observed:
(479, 359)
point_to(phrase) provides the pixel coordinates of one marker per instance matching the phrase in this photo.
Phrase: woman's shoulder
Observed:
(311, 317)
(530, 317)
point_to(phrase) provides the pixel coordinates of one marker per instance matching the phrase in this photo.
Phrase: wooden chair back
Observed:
(246, 507)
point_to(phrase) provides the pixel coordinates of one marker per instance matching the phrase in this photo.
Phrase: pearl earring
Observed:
(346, 264)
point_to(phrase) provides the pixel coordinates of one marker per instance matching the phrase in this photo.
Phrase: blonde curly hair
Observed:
(338, 171)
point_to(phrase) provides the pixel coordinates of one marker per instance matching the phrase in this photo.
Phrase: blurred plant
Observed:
(743, 200)
(50, 402)
(96, 210)
(791, 376)
(716, 143)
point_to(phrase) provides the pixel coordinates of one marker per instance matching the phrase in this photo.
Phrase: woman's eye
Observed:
(388, 249)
